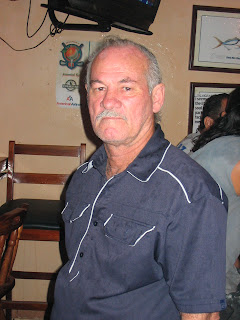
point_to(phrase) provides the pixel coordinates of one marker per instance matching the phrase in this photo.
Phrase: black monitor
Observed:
(130, 15)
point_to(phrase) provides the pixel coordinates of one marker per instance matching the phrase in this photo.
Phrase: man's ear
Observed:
(223, 113)
(86, 88)
(208, 122)
(158, 95)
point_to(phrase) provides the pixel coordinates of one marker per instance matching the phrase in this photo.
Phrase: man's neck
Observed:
(117, 163)
(119, 157)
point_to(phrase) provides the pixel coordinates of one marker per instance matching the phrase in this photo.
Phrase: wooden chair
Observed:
(43, 222)
(10, 231)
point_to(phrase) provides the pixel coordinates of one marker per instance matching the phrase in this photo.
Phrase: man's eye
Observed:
(127, 88)
(99, 89)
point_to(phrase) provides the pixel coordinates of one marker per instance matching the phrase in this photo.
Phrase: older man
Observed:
(145, 225)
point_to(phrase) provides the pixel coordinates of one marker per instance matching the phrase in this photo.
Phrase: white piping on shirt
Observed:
(180, 183)
(138, 239)
(107, 220)
(81, 165)
(89, 166)
(164, 154)
(80, 213)
(171, 174)
(221, 194)
(156, 167)
(74, 277)
(82, 172)
(90, 219)
(64, 208)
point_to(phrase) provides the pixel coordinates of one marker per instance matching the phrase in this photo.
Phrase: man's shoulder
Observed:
(79, 174)
(176, 157)
(197, 181)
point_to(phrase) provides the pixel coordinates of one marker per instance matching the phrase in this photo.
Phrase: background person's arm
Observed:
(200, 316)
(235, 177)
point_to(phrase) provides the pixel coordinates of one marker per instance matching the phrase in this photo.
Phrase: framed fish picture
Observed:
(199, 92)
(215, 39)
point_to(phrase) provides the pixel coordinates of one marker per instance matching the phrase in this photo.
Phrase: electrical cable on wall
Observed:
(29, 10)
(53, 31)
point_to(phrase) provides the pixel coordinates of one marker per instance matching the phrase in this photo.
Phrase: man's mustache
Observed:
(110, 114)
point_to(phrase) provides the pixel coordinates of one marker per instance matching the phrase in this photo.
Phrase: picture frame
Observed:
(215, 39)
(199, 92)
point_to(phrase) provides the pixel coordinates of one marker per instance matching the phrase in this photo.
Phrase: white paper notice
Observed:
(72, 55)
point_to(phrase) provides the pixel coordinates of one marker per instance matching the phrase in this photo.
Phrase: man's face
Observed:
(120, 106)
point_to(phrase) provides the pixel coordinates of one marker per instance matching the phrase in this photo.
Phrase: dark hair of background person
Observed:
(227, 125)
(211, 108)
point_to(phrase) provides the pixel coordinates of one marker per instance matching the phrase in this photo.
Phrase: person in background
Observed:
(213, 108)
(218, 151)
(141, 231)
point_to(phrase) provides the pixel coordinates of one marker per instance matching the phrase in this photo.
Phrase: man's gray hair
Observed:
(153, 75)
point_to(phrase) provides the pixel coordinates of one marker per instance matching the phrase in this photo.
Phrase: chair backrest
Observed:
(39, 150)
(10, 230)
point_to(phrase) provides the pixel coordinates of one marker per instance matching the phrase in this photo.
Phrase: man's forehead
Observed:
(120, 55)
(127, 80)
(126, 60)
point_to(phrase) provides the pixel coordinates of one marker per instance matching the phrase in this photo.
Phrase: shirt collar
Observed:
(145, 163)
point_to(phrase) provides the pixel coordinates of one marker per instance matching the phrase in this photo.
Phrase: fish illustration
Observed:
(229, 43)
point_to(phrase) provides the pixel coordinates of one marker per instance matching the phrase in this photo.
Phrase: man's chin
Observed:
(110, 135)
(111, 141)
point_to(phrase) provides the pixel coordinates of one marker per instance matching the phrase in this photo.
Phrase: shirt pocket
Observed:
(126, 230)
(72, 214)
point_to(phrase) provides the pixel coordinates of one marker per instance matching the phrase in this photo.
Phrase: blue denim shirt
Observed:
(148, 243)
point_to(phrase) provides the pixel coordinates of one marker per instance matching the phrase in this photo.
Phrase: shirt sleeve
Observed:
(195, 259)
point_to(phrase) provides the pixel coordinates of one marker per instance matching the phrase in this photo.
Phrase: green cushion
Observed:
(41, 214)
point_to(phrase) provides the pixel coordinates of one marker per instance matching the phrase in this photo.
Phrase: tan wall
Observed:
(29, 113)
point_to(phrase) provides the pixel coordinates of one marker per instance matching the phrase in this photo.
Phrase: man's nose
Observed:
(110, 100)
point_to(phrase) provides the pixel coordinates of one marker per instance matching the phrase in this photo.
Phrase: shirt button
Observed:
(95, 223)
(81, 254)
